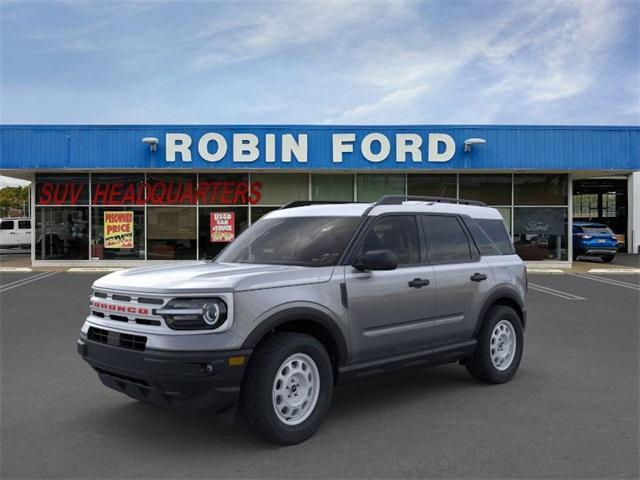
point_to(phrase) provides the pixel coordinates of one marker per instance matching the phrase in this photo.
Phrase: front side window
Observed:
(303, 241)
(446, 240)
(24, 224)
(396, 233)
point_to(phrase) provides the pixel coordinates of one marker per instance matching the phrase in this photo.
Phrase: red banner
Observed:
(155, 193)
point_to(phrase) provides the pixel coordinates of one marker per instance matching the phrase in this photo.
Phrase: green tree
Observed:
(14, 200)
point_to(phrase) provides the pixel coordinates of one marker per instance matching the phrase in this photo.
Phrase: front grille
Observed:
(129, 308)
(116, 339)
(98, 335)
(132, 342)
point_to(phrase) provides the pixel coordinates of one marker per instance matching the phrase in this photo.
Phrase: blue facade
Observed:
(548, 148)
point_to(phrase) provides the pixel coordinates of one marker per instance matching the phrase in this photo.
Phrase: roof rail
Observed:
(398, 199)
(306, 203)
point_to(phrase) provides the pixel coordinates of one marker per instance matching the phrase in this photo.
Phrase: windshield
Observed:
(304, 241)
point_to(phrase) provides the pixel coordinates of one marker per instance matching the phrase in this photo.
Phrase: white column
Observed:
(633, 243)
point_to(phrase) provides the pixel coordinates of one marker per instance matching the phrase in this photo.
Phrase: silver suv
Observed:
(311, 296)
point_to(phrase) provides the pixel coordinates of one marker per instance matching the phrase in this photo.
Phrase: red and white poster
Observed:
(222, 227)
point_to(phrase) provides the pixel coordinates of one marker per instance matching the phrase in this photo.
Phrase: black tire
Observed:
(480, 365)
(608, 258)
(256, 403)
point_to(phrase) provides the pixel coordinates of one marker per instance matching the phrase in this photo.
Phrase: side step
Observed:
(424, 358)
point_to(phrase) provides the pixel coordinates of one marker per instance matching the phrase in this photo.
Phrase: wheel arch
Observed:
(304, 320)
(506, 296)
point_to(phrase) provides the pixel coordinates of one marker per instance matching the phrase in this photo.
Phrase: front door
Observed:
(389, 311)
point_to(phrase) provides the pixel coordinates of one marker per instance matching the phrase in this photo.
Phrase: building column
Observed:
(633, 243)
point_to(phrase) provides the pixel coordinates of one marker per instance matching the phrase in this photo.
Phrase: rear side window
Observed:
(446, 240)
(483, 242)
(24, 224)
(497, 232)
(6, 225)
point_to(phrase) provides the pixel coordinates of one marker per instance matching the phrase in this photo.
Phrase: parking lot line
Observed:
(556, 293)
(24, 281)
(609, 281)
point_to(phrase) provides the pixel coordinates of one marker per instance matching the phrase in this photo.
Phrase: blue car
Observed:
(594, 239)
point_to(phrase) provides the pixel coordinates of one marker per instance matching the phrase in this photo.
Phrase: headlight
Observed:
(194, 313)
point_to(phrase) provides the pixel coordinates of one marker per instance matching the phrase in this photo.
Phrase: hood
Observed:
(200, 277)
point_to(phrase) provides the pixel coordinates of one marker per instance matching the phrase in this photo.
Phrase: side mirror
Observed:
(377, 260)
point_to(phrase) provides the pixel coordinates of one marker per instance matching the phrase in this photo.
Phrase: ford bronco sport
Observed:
(311, 296)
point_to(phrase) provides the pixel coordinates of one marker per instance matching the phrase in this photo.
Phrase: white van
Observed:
(15, 232)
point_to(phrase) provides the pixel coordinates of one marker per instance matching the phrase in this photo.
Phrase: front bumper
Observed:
(188, 380)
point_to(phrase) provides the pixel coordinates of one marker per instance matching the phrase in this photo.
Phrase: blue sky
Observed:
(321, 62)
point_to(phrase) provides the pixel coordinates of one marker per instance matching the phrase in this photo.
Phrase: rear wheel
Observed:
(500, 345)
(608, 258)
(287, 388)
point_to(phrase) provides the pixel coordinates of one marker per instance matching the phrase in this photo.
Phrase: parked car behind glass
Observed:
(594, 239)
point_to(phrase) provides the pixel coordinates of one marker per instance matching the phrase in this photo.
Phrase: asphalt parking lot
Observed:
(571, 412)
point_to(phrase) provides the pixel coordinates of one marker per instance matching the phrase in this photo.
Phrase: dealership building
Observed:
(123, 195)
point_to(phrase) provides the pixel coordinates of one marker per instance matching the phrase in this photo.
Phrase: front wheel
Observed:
(287, 388)
(500, 345)
(607, 258)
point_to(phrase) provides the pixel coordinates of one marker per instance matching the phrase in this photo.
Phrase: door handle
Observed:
(418, 283)
(478, 277)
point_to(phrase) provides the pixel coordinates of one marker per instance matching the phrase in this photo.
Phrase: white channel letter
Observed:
(434, 142)
(299, 148)
(385, 147)
(270, 148)
(408, 143)
(340, 145)
(177, 143)
(203, 147)
(245, 147)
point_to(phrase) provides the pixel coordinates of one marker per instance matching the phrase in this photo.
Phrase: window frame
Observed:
(474, 253)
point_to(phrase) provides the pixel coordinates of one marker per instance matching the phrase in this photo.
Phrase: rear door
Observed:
(8, 233)
(390, 311)
(462, 278)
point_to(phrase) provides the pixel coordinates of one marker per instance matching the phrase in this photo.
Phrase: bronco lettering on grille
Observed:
(119, 308)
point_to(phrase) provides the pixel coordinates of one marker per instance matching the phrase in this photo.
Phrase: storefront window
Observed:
(332, 187)
(172, 189)
(227, 189)
(117, 233)
(281, 188)
(62, 189)
(432, 185)
(258, 212)
(371, 186)
(62, 233)
(171, 233)
(491, 189)
(540, 233)
(117, 189)
(540, 190)
(506, 216)
(218, 227)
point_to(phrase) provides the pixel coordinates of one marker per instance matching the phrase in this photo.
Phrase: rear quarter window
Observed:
(497, 232)
(6, 225)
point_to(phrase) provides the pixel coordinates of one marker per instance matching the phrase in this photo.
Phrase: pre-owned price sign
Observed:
(118, 229)
(222, 227)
